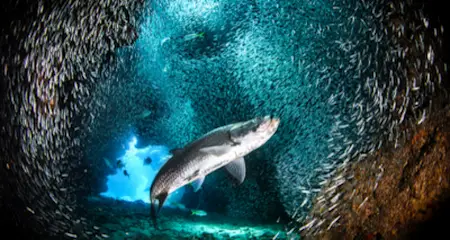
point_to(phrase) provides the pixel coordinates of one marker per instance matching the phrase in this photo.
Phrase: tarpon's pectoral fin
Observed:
(237, 169)
(175, 151)
(197, 183)
(215, 150)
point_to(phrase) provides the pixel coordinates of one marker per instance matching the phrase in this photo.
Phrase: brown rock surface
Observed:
(401, 193)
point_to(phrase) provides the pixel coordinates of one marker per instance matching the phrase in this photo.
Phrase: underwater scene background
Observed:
(95, 94)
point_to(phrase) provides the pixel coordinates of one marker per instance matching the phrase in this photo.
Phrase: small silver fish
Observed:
(197, 212)
(193, 36)
(125, 172)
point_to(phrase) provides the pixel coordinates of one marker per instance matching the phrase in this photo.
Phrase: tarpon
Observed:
(223, 146)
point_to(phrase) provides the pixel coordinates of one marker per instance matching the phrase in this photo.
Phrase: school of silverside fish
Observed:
(346, 77)
(398, 70)
(55, 56)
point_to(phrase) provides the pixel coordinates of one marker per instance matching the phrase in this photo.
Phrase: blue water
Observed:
(135, 186)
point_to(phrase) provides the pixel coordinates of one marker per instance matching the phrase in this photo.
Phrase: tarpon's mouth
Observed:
(269, 123)
(274, 122)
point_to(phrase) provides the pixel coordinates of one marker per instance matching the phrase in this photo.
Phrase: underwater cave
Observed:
(97, 97)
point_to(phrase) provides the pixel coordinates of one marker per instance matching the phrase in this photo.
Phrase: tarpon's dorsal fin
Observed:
(197, 183)
(216, 150)
(175, 151)
(237, 169)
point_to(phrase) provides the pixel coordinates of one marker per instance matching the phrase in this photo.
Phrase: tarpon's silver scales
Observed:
(223, 146)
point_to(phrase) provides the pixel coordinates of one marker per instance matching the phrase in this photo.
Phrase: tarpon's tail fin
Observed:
(153, 215)
(153, 212)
